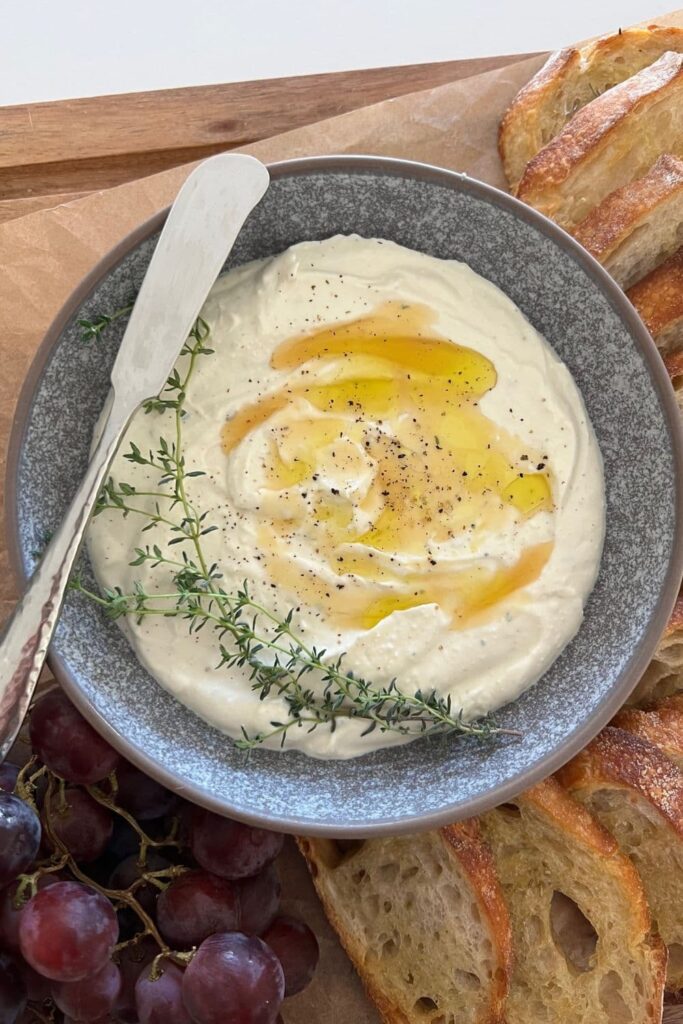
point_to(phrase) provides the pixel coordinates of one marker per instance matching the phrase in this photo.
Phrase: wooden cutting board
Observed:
(51, 153)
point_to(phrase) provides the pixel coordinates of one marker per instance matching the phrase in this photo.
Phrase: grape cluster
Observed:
(104, 920)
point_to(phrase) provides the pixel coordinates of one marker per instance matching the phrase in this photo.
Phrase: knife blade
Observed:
(198, 234)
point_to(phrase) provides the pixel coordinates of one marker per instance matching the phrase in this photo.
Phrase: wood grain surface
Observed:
(54, 152)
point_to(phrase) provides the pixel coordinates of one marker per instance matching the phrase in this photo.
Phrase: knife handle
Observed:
(198, 234)
(25, 638)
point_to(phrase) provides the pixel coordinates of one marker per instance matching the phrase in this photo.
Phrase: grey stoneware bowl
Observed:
(584, 316)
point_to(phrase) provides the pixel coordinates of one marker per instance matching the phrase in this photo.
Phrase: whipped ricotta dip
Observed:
(388, 447)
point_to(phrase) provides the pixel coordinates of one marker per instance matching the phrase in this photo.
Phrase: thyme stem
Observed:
(264, 644)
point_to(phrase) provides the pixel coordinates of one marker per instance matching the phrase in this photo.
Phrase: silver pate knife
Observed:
(199, 232)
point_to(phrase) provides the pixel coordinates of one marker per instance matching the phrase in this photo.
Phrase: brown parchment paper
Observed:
(44, 255)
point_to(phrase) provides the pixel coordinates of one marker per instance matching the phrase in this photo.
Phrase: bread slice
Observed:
(661, 724)
(664, 675)
(659, 301)
(636, 791)
(674, 367)
(568, 81)
(539, 111)
(584, 950)
(638, 226)
(423, 920)
(608, 143)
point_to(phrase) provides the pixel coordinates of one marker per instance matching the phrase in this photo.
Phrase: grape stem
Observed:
(27, 780)
(179, 958)
(120, 896)
(61, 858)
(146, 842)
(31, 880)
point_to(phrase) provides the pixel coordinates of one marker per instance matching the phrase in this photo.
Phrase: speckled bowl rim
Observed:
(641, 654)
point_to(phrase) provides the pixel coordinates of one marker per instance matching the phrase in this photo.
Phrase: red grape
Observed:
(195, 906)
(296, 947)
(19, 837)
(141, 796)
(161, 1001)
(82, 825)
(259, 901)
(10, 915)
(67, 744)
(233, 979)
(67, 931)
(12, 991)
(90, 998)
(230, 849)
(129, 870)
(132, 959)
(8, 776)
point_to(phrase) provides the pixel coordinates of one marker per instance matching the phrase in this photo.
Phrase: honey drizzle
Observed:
(387, 394)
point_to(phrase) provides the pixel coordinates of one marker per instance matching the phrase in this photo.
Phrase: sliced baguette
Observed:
(608, 143)
(566, 884)
(568, 81)
(674, 367)
(659, 301)
(638, 226)
(661, 724)
(664, 675)
(423, 920)
(539, 111)
(636, 791)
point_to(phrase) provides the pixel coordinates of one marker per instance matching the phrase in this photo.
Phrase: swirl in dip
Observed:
(391, 449)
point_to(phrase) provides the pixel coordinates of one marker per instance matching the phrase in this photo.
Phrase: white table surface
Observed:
(57, 49)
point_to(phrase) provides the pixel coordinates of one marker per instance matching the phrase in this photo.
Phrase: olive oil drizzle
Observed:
(387, 396)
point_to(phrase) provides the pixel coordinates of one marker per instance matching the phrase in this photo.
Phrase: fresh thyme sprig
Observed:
(279, 660)
(316, 690)
(94, 328)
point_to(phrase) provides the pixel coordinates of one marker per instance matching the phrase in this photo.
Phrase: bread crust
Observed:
(664, 675)
(600, 130)
(675, 622)
(648, 786)
(674, 367)
(624, 211)
(660, 724)
(520, 133)
(552, 799)
(608, 224)
(315, 854)
(469, 846)
(465, 843)
(658, 298)
(569, 80)
(627, 761)
(575, 828)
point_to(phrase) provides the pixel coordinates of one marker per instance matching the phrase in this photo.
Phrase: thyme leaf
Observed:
(316, 690)
(92, 329)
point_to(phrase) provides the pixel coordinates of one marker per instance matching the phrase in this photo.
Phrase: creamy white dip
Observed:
(421, 570)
